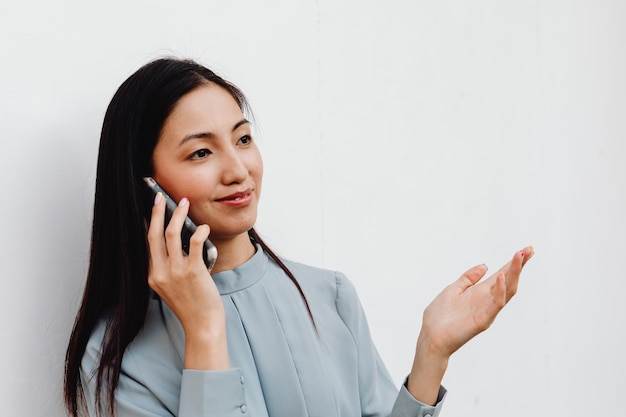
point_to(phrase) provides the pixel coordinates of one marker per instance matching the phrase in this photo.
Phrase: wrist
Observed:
(429, 366)
(206, 347)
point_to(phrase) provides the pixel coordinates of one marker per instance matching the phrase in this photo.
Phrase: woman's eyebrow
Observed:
(240, 123)
(210, 135)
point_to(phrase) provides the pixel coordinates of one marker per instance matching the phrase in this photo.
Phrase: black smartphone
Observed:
(210, 251)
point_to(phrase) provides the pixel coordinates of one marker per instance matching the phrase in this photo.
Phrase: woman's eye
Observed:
(200, 154)
(245, 140)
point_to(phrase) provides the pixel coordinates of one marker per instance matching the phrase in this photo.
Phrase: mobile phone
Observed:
(209, 254)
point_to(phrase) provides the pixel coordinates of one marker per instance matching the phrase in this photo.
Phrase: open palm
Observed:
(469, 306)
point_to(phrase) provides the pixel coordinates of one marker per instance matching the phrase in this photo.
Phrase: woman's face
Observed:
(206, 153)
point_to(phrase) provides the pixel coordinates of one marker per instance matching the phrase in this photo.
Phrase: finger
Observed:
(196, 243)
(503, 269)
(173, 239)
(528, 252)
(515, 269)
(156, 243)
(499, 291)
(471, 277)
(492, 300)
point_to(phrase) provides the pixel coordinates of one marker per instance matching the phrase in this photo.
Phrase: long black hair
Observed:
(117, 287)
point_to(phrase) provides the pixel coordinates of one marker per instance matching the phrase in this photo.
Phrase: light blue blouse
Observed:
(281, 366)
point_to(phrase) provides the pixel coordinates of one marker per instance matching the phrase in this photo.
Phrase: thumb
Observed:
(470, 277)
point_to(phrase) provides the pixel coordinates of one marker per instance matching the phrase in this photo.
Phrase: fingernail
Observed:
(157, 198)
(183, 202)
(522, 252)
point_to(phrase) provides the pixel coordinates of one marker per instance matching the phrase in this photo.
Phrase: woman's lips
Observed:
(239, 199)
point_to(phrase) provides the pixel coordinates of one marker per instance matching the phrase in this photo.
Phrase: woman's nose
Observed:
(234, 169)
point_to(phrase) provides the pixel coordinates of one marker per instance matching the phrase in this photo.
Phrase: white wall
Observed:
(404, 142)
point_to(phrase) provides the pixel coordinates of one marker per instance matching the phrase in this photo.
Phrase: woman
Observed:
(159, 335)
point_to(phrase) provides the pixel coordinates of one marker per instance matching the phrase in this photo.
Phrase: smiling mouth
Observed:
(236, 196)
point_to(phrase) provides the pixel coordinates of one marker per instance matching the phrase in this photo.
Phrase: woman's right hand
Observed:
(185, 284)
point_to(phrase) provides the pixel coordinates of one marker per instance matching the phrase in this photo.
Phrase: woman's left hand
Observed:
(462, 310)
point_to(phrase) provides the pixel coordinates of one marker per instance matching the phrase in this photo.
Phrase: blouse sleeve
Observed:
(151, 389)
(378, 395)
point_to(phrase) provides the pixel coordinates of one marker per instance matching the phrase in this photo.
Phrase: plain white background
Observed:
(404, 142)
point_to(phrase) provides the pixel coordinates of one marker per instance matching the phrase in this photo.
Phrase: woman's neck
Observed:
(232, 252)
